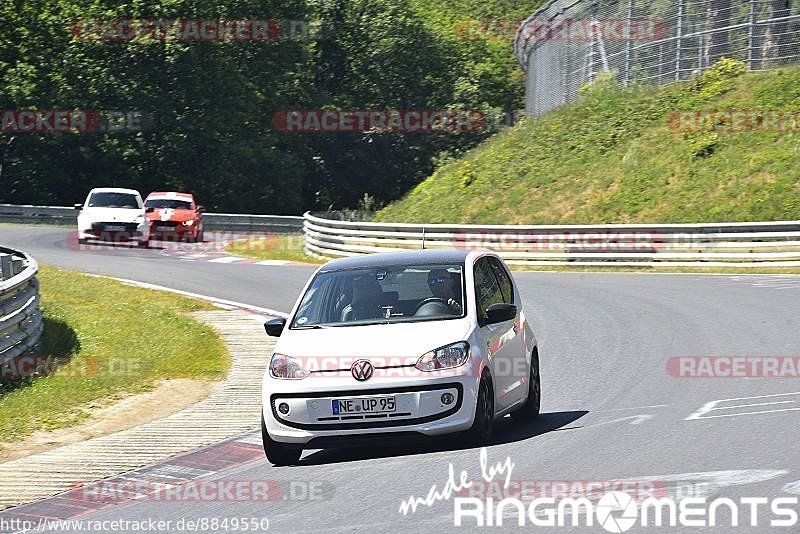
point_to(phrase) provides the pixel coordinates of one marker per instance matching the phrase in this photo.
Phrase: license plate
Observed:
(115, 228)
(362, 405)
(164, 228)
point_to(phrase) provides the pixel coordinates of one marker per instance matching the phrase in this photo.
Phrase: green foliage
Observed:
(615, 156)
(210, 104)
(466, 174)
(719, 79)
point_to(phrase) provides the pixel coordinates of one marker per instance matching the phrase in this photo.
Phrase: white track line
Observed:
(215, 300)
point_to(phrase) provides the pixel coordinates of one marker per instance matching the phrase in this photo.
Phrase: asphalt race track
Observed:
(611, 410)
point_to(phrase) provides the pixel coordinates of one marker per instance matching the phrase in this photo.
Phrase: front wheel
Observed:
(483, 426)
(277, 453)
(530, 410)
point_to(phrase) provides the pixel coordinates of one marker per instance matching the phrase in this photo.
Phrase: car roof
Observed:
(170, 194)
(386, 259)
(114, 190)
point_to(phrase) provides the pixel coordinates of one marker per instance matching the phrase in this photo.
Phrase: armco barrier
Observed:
(744, 244)
(212, 221)
(20, 317)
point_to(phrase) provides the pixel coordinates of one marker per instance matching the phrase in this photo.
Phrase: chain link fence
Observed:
(568, 43)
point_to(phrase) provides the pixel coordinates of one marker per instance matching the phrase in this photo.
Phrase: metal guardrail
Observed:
(744, 244)
(28, 214)
(232, 222)
(20, 317)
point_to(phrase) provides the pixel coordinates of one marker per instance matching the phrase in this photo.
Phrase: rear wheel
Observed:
(277, 453)
(483, 425)
(530, 410)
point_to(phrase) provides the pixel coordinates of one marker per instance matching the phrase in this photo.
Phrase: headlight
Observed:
(447, 357)
(188, 223)
(286, 367)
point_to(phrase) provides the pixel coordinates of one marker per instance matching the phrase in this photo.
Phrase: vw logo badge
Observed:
(362, 370)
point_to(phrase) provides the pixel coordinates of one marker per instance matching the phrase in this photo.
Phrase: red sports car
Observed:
(174, 216)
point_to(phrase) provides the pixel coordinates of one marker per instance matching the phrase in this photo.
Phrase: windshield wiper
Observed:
(309, 326)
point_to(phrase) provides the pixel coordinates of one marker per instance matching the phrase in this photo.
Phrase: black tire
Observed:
(530, 409)
(483, 426)
(277, 453)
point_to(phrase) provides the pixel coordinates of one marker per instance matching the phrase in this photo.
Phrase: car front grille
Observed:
(362, 417)
(103, 226)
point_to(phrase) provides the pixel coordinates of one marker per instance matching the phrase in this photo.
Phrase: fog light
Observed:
(283, 408)
(447, 398)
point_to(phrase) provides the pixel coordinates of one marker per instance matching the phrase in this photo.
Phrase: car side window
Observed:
(487, 290)
(504, 280)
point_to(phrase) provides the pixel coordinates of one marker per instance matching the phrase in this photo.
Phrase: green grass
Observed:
(118, 340)
(611, 158)
(288, 247)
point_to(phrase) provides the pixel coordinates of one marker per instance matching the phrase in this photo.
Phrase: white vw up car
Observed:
(409, 344)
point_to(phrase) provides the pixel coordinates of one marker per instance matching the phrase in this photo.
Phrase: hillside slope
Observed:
(612, 157)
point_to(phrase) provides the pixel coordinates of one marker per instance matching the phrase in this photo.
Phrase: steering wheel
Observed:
(428, 301)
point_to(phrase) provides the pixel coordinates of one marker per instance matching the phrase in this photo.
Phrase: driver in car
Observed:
(443, 285)
(367, 297)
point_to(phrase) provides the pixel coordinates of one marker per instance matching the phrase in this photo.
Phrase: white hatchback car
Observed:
(386, 346)
(115, 215)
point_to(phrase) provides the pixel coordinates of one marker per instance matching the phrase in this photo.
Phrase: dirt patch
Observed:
(169, 397)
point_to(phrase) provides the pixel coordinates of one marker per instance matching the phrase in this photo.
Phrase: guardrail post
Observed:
(17, 266)
(751, 35)
(6, 266)
(679, 40)
(629, 44)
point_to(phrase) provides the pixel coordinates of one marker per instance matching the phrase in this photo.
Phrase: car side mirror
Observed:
(500, 312)
(78, 206)
(274, 327)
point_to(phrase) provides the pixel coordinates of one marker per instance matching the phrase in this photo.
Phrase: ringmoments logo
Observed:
(618, 511)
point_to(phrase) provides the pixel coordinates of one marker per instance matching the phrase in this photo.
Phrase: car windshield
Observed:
(158, 203)
(113, 200)
(403, 293)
